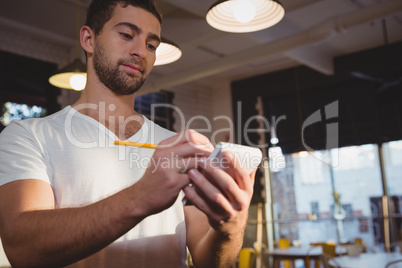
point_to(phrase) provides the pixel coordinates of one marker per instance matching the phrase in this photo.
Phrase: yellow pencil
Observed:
(136, 144)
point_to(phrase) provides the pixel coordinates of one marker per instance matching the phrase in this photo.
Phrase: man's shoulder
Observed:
(34, 124)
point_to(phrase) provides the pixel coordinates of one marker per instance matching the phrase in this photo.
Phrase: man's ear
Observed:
(87, 38)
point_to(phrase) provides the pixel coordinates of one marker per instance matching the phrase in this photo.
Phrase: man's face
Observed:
(124, 51)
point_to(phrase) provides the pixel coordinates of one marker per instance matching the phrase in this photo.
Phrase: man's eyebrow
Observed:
(155, 37)
(138, 30)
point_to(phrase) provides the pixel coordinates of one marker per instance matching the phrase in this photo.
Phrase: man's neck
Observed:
(114, 111)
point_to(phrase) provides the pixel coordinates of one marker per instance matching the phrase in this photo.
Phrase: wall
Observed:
(18, 42)
(365, 110)
(207, 110)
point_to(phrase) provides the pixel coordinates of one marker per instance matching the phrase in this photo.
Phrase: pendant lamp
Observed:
(241, 16)
(274, 138)
(72, 76)
(167, 52)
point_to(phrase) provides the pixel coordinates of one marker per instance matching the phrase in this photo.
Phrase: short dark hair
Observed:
(100, 11)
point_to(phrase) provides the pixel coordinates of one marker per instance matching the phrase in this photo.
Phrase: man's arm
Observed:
(210, 248)
(35, 234)
(216, 222)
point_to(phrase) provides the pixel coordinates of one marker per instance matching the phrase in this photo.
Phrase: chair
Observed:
(359, 241)
(329, 249)
(247, 257)
(365, 248)
(390, 264)
(285, 243)
(328, 252)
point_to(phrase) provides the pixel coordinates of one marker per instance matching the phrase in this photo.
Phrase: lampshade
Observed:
(240, 16)
(73, 76)
(167, 52)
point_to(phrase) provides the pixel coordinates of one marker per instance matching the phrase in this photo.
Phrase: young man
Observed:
(70, 197)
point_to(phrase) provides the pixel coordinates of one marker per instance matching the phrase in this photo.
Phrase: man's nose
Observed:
(138, 49)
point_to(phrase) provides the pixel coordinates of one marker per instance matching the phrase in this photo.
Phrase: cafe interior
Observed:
(315, 84)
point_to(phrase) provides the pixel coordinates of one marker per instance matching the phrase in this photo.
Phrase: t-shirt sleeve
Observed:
(21, 155)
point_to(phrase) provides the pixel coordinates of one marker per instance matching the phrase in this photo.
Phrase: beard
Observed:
(112, 77)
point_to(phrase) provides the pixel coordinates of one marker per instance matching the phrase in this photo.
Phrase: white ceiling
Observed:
(210, 55)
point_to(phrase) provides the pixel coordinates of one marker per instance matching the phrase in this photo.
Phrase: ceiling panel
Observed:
(184, 24)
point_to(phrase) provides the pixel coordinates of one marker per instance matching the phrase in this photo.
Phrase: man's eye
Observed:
(151, 47)
(126, 36)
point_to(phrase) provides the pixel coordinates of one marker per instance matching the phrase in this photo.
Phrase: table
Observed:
(295, 253)
(372, 260)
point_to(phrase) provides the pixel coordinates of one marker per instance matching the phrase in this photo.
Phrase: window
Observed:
(303, 193)
(308, 168)
(155, 106)
(24, 89)
(12, 111)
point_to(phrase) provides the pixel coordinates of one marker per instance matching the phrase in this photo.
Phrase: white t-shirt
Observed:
(75, 154)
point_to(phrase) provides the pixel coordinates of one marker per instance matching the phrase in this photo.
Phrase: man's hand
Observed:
(224, 196)
(167, 174)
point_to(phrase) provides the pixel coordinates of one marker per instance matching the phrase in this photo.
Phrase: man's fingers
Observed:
(183, 165)
(199, 200)
(221, 180)
(190, 150)
(213, 195)
(189, 136)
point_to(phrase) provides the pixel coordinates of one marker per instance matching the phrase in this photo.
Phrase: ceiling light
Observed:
(244, 11)
(274, 139)
(240, 16)
(167, 52)
(73, 76)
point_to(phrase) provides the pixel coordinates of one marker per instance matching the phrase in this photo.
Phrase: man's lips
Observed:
(132, 68)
